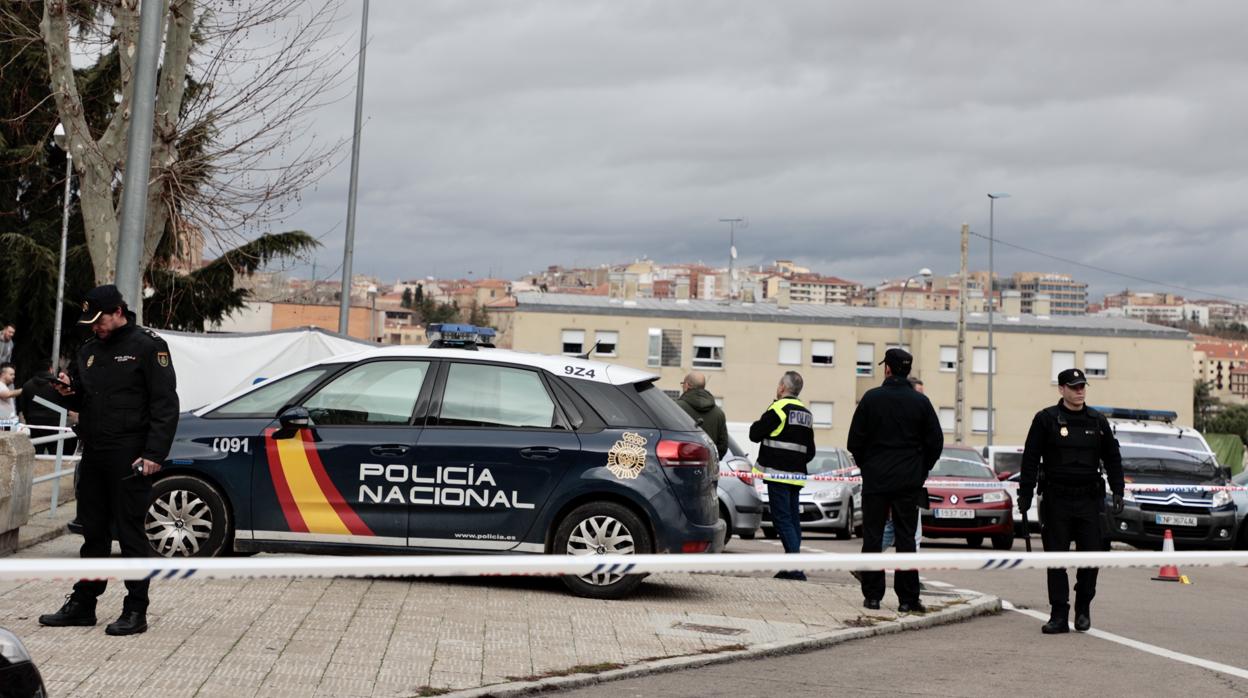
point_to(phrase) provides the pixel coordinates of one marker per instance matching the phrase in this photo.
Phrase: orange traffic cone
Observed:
(1170, 573)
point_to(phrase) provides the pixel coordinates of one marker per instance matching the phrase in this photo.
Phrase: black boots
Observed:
(871, 604)
(129, 623)
(76, 611)
(1056, 626)
(1083, 619)
(912, 607)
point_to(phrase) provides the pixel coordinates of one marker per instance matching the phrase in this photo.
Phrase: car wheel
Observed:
(187, 517)
(974, 541)
(602, 528)
(770, 533)
(747, 536)
(723, 516)
(1003, 542)
(847, 532)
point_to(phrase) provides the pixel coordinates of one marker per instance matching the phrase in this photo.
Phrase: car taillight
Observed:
(695, 546)
(683, 454)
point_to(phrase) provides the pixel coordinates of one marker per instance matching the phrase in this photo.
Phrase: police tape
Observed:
(969, 484)
(321, 566)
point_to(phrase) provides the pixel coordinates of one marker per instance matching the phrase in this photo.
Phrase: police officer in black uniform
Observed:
(123, 386)
(787, 437)
(1065, 449)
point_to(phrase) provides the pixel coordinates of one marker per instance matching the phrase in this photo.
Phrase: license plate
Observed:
(956, 514)
(1176, 520)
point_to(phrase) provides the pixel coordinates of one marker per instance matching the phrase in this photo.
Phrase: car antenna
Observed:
(592, 349)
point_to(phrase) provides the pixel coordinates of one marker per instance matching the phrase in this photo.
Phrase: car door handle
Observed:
(395, 450)
(539, 453)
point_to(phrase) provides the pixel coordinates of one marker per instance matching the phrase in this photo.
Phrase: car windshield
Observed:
(1170, 468)
(824, 462)
(962, 453)
(1007, 462)
(957, 467)
(1187, 440)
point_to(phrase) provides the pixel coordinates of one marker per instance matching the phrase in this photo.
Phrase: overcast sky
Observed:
(501, 137)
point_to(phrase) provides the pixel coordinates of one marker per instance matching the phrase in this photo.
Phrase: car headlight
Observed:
(1221, 498)
(834, 492)
(991, 497)
(12, 648)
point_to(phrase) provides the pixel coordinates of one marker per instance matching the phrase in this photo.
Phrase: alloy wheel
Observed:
(178, 523)
(601, 535)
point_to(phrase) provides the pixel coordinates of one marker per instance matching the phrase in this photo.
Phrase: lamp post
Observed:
(992, 364)
(348, 248)
(901, 303)
(62, 142)
(732, 253)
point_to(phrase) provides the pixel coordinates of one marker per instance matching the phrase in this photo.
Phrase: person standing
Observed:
(700, 404)
(123, 386)
(7, 330)
(895, 437)
(786, 436)
(33, 413)
(8, 396)
(1065, 449)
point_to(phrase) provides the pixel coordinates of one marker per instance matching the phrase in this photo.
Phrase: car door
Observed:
(343, 480)
(495, 446)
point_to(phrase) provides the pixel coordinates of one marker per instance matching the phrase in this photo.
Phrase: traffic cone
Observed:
(1170, 573)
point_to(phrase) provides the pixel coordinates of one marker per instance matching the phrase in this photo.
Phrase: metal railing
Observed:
(61, 432)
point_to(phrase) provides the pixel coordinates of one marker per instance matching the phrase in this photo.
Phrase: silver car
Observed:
(1240, 498)
(740, 507)
(825, 506)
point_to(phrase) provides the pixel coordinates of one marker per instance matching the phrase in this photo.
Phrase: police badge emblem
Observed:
(90, 360)
(162, 358)
(1064, 431)
(627, 457)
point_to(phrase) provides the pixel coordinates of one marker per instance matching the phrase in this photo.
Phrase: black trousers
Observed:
(1077, 519)
(905, 510)
(112, 498)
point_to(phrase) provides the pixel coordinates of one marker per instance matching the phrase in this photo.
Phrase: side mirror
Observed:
(294, 418)
(1004, 476)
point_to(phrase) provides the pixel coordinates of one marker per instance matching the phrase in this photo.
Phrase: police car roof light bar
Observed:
(445, 335)
(1139, 415)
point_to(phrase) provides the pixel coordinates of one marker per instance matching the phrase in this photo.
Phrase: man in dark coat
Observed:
(700, 404)
(41, 385)
(895, 437)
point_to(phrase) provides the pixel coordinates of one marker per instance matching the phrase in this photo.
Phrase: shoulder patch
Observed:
(162, 358)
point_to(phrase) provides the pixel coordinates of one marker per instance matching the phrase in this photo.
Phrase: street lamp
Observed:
(901, 303)
(732, 253)
(992, 367)
(62, 142)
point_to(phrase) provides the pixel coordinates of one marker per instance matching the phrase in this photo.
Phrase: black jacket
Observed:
(125, 392)
(39, 385)
(793, 446)
(1073, 458)
(895, 437)
(700, 405)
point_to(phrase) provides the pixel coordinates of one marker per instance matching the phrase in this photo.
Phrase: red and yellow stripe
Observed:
(310, 501)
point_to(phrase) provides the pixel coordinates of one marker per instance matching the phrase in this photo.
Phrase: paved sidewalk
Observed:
(360, 637)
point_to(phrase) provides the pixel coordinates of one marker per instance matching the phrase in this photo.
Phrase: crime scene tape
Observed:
(971, 484)
(35, 569)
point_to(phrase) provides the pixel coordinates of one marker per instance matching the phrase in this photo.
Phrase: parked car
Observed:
(971, 513)
(1153, 428)
(1241, 509)
(963, 451)
(1197, 519)
(1033, 511)
(825, 505)
(1004, 460)
(456, 447)
(19, 677)
(740, 507)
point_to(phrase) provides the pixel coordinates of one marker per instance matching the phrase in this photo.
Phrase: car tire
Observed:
(770, 533)
(608, 518)
(847, 532)
(747, 536)
(1003, 542)
(723, 516)
(188, 517)
(974, 541)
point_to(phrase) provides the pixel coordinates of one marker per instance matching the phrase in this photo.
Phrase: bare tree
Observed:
(239, 81)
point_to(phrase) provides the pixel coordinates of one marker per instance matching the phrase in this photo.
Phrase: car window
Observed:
(615, 409)
(481, 395)
(824, 462)
(270, 397)
(667, 414)
(956, 467)
(378, 392)
(1188, 440)
(1007, 462)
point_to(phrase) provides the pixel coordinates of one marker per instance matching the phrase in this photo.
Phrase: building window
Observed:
(573, 341)
(823, 352)
(948, 358)
(663, 348)
(979, 420)
(708, 351)
(866, 360)
(1096, 364)
(607, 341)
(790, 352)
(979, 360)
(947, 419)
(822, 413)
(1062, 360)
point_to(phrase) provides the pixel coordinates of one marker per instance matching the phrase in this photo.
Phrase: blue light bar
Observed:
(460, 336)
(1138, 414)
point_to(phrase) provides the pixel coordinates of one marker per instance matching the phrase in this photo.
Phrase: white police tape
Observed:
(969, 484)
(30, 569)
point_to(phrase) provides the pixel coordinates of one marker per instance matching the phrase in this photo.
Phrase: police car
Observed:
(453, 448)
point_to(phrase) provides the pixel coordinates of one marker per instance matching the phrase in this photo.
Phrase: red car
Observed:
(968, 512)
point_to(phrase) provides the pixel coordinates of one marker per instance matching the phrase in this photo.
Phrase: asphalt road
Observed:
(1006, 654)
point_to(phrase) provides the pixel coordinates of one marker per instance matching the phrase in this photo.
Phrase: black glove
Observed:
(1118, 505)
(1024, 503)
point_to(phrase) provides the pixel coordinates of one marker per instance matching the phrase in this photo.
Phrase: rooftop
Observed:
(815, 313)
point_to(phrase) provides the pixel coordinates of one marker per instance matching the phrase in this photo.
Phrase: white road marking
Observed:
(1143, 646)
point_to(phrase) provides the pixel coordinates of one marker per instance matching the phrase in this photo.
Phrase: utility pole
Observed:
(732, 253)
(129, 275)
(959, 401)
(348, 250)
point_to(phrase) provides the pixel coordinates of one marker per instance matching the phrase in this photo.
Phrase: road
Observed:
(1006, 654)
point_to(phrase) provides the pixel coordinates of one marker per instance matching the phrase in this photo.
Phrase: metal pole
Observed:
(992, 200)
(129, 278)
(901, 306)
(732, 244)
(959, 400)
(344, 306)
(60, 284)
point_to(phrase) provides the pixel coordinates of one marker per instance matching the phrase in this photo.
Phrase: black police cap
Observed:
(1072, 377)
(98, 301)
(897, 358)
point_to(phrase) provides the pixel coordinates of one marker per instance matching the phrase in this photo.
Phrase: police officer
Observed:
(123, 386)
(895, 437)
(1066, 446)
(787, 437)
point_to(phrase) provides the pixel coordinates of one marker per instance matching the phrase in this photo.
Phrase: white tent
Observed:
(211, 366)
